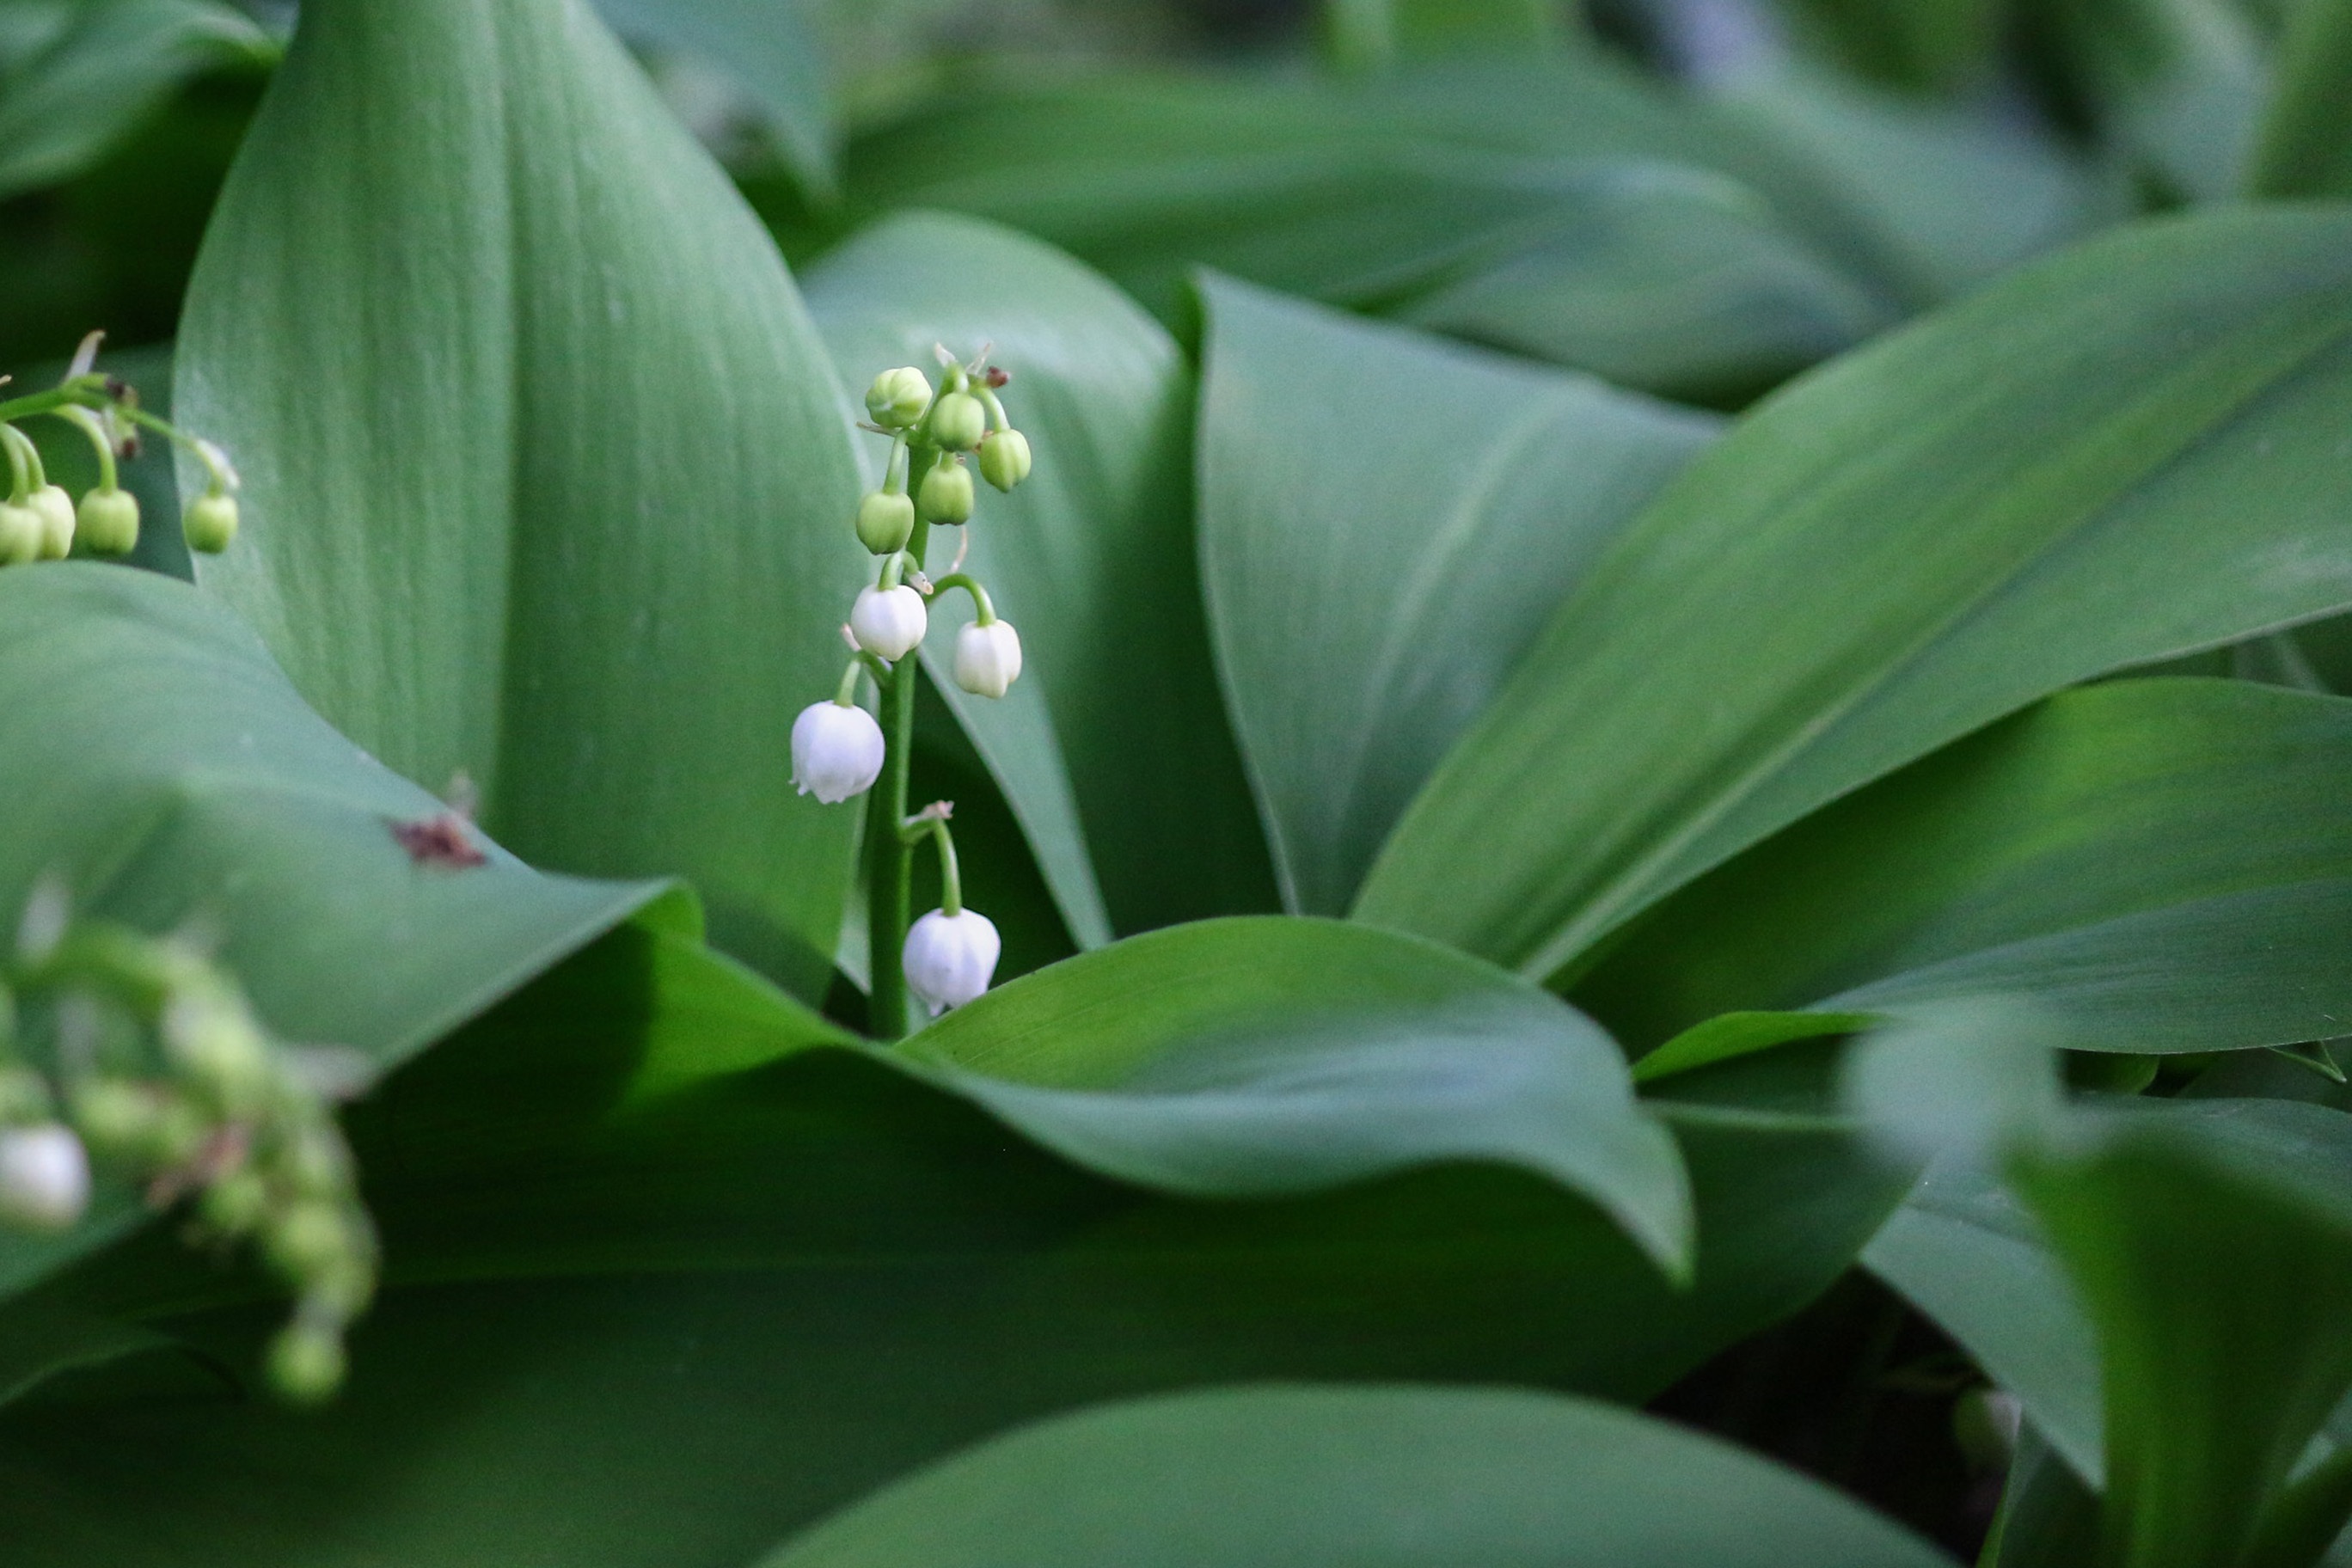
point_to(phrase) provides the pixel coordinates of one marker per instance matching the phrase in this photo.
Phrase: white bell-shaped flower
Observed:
(949, 958)
(45, 1176)
(836, 751)
(888, 623)
(987, 658)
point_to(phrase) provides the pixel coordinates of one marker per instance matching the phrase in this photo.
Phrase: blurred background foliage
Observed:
(1697, 197)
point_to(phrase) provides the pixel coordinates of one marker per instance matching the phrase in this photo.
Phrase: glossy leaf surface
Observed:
(1387, 522)
(546, 475)
(1383, 1477)
(2127, 452)
(2160, 861)
(1253, 1056)
(1112, 749)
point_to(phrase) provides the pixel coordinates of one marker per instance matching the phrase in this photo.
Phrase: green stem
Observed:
(82, 419)
(951, 876)
(847, 693)
(890, 861)
(25, 479)
(987, 612)
(89, 391)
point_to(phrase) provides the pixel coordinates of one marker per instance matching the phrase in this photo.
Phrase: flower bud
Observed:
(217, 1039)
(307, 1237)
(21, 535)
(988, 657)
(945, 494)
(56, 513)
(236, 1204)
(898, 397)
(836, 751)
(885, 521)
(1004, 458)
(959, 422)
(209, 523)
(888, 622)
(43, 1176)
(109, 523)
(306, 1362)
(949, 958)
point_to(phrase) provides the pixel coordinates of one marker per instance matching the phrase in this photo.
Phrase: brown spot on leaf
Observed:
(441, 839)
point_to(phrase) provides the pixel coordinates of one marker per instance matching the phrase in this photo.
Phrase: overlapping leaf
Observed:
(1383, 1477)
(547, 478)
(159, 764)
(2161, 861)
(1387, 521)
(2125, 453)
(666, 1285)
(1113, 749)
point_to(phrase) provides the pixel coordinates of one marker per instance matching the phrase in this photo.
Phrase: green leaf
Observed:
(72, 89)
(665, 1286)
(2125, 453)
(2305, 149)
(2162, 862)
(1387, 1477)
(547, 478)
(768, 49)
(1252, 1057)
(1386, 522)
(2212, 1242)
(160, 764)
(2177, 85)
(1372, 199)
(1113, 749)
(1966, 1251)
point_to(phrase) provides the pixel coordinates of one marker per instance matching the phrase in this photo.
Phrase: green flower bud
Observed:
(959, 422)
(210, 523)
(21, 533)
(217, 1039)
(236, 1204)
(1004, 458)
(343, 1291)
(898, 397)
(57, 511)
(885, 522)
(946, 496)
(109, 523)
(121, 1120)
(308, 1239)
(315, 1164)
(307, 1362)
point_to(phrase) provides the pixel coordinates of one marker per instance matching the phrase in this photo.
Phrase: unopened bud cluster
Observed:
(40, 521)
(937, 435)
(141, 1056)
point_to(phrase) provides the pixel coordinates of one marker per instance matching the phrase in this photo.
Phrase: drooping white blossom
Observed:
(949, 958)
(43, 1176)
(890, 622)
(987, 658)
(836, 751)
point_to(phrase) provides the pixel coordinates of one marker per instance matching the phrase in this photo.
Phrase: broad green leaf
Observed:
(2162, 861)
(78, 81)
(1387, 521)
(1272, 1055)
(1727, 1036)
(1385, 1478)
(2123, 454)
(157, 763)
(2048, 1518)
(666, 1286)
(1938, 46)
(547, 478)
(1112, 749)
(1371, 34)
(2306, 148)
(2212, 1244)
(768, 49)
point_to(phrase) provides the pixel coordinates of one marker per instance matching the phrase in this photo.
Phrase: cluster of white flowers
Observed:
(839, 749)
